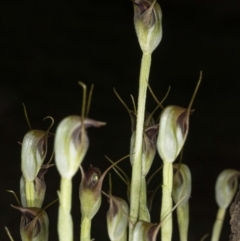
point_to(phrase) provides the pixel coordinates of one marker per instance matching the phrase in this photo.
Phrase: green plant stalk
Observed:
(65, 223)
(183, 220)
(166, 209)
(85, 229)
(124, 237)
(30, 193)
(143, 209)
(217, 227)
(137, 160)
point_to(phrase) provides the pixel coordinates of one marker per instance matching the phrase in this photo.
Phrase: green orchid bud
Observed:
(182, 184)
(90, 192)
(145, 231)
(173, 130)
(34, 224)
(149, 148)
(71, 144)
(117, 218)
(149, 144)
(33, 153)
(90, 196)
(39, 188)
(226, 187)
(148, 24)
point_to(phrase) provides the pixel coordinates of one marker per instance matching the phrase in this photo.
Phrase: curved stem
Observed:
(137, 159)
(217, 228)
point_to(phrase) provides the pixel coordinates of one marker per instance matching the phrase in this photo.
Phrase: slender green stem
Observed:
(143, 209)
(85, 229)
(183, 220)
(217, 228)
(65, 223)
(137, 162)
(30, 193)
(166, 230)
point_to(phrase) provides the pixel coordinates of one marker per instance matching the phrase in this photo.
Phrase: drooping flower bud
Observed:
(117, 217)
(173, 130)
(182, 184)
(33, 153)
(71, 144)
(145, 231)
(39, 187)
(34, 224)
(226, 187)
(148, 24)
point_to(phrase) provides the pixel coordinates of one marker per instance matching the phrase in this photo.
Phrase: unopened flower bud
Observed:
(226, 187)
(34, 224)
(39, 188)
(117, 217)
(148, 144)
(145, 231)
(173, 130)
(148, 24)
(90, 192)
(71, 144)
(182, 184)
(33, 153)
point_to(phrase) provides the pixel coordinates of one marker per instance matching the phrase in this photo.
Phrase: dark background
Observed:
(46, 47)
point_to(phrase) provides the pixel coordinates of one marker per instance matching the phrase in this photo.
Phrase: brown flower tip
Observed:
(92, 177)
(144, 9)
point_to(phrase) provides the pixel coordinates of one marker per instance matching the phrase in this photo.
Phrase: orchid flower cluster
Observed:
(126, 219)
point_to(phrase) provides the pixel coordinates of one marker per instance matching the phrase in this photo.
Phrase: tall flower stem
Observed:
(65, 223)
(166, 230)
(137, 159)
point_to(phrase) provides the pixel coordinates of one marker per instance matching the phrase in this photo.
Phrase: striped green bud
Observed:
(71, 144)
(226, 187)
(148, 24)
